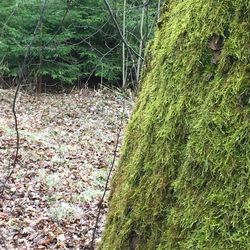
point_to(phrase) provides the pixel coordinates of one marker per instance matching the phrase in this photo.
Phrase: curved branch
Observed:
(20, 78)
(120, 32)
(92, 244)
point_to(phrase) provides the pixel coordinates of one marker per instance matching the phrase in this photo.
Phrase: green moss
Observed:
(184, 177)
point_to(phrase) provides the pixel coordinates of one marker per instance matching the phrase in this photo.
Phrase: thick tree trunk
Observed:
(183, 181)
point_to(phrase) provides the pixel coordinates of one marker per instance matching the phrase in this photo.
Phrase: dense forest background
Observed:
(77, 43)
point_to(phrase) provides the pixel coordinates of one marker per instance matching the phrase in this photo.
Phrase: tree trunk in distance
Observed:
(159, 10)
(183, 181)
(124, 64)
(142, 38)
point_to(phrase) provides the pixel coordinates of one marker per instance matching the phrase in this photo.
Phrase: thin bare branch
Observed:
(20, 78)
(92, 245)
(130, 49)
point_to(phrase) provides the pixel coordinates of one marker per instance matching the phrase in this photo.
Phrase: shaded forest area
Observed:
(68, 42)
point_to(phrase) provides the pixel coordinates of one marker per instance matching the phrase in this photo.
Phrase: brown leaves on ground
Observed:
(67, 144)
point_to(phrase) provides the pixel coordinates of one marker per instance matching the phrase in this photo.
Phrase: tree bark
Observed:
(183, 177)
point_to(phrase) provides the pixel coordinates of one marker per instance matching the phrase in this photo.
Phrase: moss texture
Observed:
(184, 176)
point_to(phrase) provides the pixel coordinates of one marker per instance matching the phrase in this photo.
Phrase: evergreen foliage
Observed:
(63, 48)
(77, 40)
(183, 181)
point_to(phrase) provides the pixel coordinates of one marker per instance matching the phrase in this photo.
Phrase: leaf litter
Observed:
(66, 148)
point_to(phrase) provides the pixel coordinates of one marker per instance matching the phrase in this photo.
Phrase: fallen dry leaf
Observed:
(66, 148)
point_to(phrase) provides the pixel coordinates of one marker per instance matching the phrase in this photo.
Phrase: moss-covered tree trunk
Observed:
(184, 177)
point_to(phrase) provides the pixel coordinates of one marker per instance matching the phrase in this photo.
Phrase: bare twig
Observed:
(55, 33)
(130, 49)
(20, 78)
(61, 23)
(103, 56)
(92, 245)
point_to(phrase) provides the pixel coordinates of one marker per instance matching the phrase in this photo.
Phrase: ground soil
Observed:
(66, 148)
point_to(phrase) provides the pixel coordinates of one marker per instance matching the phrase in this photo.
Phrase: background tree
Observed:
(71, 43)
(183, 178)
(77, 42)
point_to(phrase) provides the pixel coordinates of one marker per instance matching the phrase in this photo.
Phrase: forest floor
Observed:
(67, 144)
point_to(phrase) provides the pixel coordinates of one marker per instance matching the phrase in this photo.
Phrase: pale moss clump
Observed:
(64, 211)
(184, 177)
